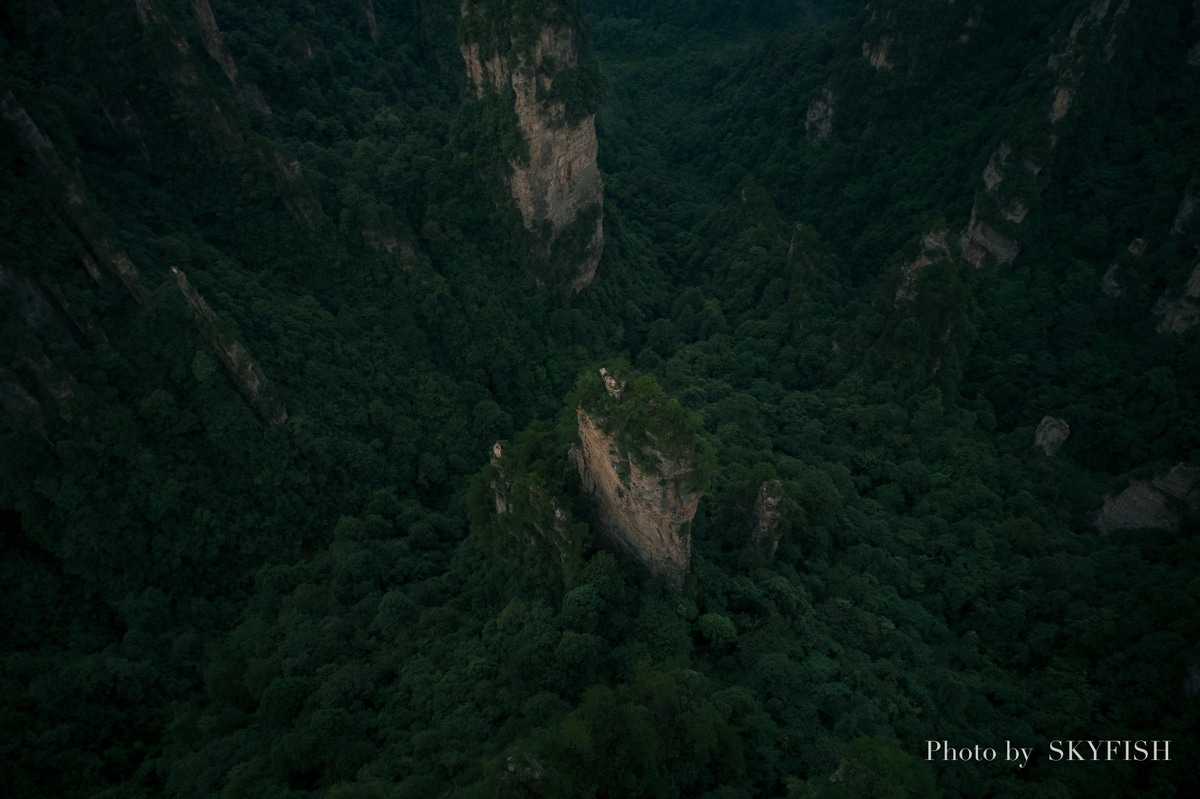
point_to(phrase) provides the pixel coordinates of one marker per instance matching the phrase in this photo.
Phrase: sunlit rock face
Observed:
(644, 510)
(561, 181)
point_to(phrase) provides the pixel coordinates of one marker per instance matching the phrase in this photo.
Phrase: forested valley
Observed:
(305, 449)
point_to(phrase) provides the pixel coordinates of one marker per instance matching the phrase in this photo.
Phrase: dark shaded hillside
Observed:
(268, 298)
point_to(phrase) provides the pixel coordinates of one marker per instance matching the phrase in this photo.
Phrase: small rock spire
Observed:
(614, 387)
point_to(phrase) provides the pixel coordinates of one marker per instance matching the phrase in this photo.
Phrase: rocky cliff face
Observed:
(1009, 183)
(247, 94)
(933, 250)
(818, 119)
(981, 239)
(1051, 433)
(1011, 189)
(560, 181)
(643, 510)
(767, 516)
(1070, 65)
(241, 365)
(1158, 503)
(1180, 314)
(89, 221)
(209, 116)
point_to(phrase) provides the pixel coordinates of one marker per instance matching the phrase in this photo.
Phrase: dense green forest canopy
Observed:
(201, 599)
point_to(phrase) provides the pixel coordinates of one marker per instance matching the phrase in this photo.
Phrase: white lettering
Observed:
(1017, 753)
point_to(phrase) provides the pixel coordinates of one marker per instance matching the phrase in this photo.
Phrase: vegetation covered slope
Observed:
(201, 603)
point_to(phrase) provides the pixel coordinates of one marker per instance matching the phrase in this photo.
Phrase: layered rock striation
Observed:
(1158, 503)
(643, 505)
(559, 184)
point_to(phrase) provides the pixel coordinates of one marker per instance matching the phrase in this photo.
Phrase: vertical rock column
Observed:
(640, 510)
(561, 180)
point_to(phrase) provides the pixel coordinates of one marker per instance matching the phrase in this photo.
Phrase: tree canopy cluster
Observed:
(200, 603)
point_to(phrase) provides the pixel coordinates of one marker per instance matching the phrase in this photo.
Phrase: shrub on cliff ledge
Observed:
(648, 425)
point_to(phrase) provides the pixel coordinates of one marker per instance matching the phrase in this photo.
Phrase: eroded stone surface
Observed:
(1157, 503)
(643, 511)
(561, 178)
(1051, 433)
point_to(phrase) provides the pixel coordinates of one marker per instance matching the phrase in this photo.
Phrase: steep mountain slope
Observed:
(903, 296)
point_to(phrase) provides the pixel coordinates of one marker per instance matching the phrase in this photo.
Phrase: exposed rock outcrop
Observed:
(76, 204)
(298, 197)
(20, 408)
(528, 509)
(993, 173)
(612, 384)
(1158, 503)
(765, 535)
(1183, 215)
(36, 318)
(501, 482)
(981, 239)
(971, 24)
(247, 94)
(1069, 65)
(1007, 184)
(933, 250)
(389, 239)
(123, 119)
(368, 8)
(208, 115)
(1051, 433)
(187, 89)
(560, 182)
(1110, 284)
(241, 365)
(1180, 314)
(818, 120)
(642, 504)
(877, 52)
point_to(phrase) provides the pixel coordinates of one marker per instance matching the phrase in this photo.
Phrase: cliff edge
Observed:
(641, 467)
(557, 187)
